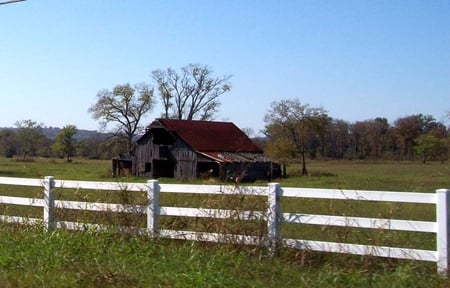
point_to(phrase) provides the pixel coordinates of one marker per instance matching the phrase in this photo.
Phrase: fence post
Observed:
(274, 218)
(49, 204)
(153, 189)
(442, 239)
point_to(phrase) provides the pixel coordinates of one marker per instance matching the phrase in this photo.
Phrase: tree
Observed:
(428, 146)
(279, 146)
(292, 120)
(90, 147)
(410, 127)
(29, 137)
(124, 108)
(380, 130)
(338, 138)
(8, 143)
(65, 142)
(249, 132)
(192, 95)
(360, 134)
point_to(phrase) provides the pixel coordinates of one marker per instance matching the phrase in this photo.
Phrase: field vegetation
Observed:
(30, 257)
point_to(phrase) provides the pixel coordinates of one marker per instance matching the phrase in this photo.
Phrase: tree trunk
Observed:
(304, 171)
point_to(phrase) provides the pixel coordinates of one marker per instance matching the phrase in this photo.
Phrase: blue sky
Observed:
(356, 59)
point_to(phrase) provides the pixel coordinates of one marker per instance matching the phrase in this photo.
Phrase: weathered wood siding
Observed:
(186, 160)
(162, 153)
(143, 157)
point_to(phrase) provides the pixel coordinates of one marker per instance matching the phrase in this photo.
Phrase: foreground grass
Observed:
(32, 258)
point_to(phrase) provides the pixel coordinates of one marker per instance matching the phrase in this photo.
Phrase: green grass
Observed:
(79, 169)
(32, 258)
(367, 175)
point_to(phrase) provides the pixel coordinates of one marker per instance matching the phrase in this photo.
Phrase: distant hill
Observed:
(51, 132)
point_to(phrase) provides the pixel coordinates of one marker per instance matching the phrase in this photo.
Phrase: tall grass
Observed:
(30, 257)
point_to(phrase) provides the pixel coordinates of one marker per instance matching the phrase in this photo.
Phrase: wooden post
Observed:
(153, 209)
(442, 218)
(273, 218)
(49, 204)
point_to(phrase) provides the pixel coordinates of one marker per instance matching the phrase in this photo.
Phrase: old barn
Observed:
(200, 149)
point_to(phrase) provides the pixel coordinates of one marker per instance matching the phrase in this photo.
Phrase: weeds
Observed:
(29, 257)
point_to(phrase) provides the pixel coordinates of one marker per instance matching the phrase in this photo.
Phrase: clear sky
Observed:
(357, 59)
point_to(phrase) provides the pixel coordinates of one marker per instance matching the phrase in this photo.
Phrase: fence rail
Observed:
(272, 215)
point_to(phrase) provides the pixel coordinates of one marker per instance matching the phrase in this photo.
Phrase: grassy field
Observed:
(31, 258)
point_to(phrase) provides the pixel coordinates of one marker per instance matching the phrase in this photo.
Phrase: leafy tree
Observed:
(292, 120)
(124, 108)
(65, 142)
(90, 147)
(428, 146)
(361, 133)
(193, 94)
(410, 127)
(338, 138)
(8, 143)
(279, 146)
(380, 129)
(29, 137)
(369, 137)
(112, 147)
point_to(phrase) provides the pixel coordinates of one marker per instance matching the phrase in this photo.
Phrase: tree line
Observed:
(191, 93)
(294, 131)
(30, 139)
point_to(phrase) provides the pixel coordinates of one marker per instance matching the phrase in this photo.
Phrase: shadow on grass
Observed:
(12, 174)
(298, 173)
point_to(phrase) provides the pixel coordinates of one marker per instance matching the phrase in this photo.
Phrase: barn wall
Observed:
(186, 160)
(160, 154)
(142, 157)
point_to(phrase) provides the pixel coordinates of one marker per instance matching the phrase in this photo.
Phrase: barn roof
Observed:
(209, 136)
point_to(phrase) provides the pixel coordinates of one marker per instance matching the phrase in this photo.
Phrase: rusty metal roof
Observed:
(210, 136)
(236, 156)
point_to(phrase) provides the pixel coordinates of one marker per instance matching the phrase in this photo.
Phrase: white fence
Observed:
(272, 215)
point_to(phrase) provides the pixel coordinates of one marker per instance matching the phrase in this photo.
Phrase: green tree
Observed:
(409, 128)
(279, 146)
(29, 137)
(293, 120)
(428, 146)
(65, 142)
(338, 138)
(193, 94)
(8, 142)
(90, 147)
(125, 107)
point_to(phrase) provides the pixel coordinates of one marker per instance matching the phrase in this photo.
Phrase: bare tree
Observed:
(124, 108)
(192, 95)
